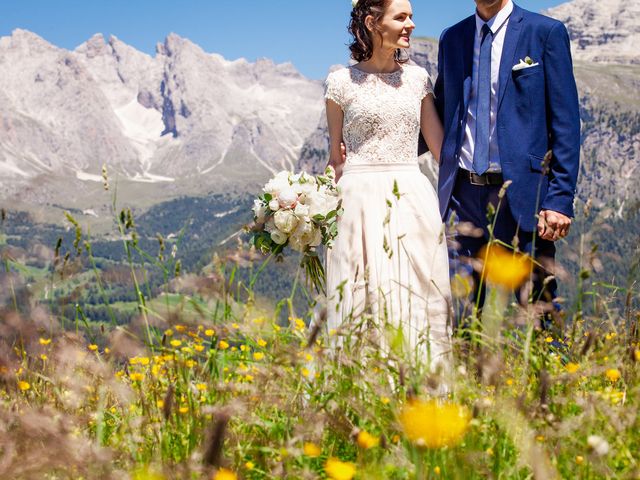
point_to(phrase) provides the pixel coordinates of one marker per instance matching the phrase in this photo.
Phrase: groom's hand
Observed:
(553, 225)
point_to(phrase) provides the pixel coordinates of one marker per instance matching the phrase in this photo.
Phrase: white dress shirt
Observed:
(498, 25)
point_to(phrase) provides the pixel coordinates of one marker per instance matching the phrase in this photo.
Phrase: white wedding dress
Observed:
(389, 259)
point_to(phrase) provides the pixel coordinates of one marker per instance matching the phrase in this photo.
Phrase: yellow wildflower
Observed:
(366, 440)
(180, 328)
(224, 474)
(223, 345)
(249, 465)
(311, 450)
(186, 350)
(143, 360)
(305, 372)
(540, 438)
(385, 400)
(168, 332)
(198, 348)
(201, 386)
(262, 343)
(136, 376)
(235, 326)
(579, 459)
(613, 374)
(175, 343)
(190, 363)
(183, 409)
(434, 424)
(107, 350)
(436, 470)
(45, 341)
(258, 356)
(24, 386)
(93, 347)
(549, 339)
(339, 470)
(572, 367)
(636, 354)
(160, 403)
(43, 357)
(248, 378)
(504, 267)
(300, 324)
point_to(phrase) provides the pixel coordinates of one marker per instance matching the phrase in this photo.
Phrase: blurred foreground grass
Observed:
(207, 381)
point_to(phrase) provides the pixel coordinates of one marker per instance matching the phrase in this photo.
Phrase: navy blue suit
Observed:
(537, 111)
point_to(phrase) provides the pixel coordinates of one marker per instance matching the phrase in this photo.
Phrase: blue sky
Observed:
(309, 33)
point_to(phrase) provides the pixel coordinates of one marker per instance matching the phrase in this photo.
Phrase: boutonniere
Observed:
(526, 63)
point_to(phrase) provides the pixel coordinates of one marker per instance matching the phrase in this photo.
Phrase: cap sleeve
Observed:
(426, 85)
(333, 89)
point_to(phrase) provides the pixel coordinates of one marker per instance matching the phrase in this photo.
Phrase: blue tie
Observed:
(483, 105)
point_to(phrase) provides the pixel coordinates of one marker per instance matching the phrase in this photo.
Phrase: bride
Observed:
(389, 259)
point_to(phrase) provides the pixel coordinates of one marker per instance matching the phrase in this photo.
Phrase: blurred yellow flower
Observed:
(143, 360)
(190, 363)
(168, 332)
(107, 350)
(504, 267)
(243, 348)
(249, 465)
(43, 357)
(136, 376)
(198, 348)
(201, 386)
(572, 367)
(366, 440)
(160, 403)
(183, 409)
(93, 347)
(305, 372)
(300, 325)
(223, 345)
(385, 400)
(262, 343)
(45, 341)
(180, 328)
(258, 356)
(579, 459)
(636, 354)
(549, 339)
(339, 470)
(235, 326)
(224, 474)
(175, 343)
(311, 450)
(209, 332)
(434, 424)
(613, 374)
(436, 470)
(24, 386)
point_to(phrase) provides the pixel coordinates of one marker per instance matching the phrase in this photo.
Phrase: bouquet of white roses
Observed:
(299, 211)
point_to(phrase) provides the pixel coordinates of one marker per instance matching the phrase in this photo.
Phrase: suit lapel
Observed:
(467, 58)
(507, 61)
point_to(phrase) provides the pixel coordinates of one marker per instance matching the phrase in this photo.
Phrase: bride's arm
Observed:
(335, 117)
(431, 126)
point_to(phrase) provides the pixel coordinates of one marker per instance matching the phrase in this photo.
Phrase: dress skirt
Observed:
(389, 260)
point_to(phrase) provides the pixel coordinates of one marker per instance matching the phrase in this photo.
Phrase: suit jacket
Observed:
(538, 111)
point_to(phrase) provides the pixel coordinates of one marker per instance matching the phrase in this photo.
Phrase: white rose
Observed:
(274, 204)
(278, 237)
(301, 210)
(285, 220)
(322, 202)
(277, 183)
(287, 198)
(259, 211)
(306, 234)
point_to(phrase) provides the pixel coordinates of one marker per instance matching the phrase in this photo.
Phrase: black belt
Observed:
(488, 178)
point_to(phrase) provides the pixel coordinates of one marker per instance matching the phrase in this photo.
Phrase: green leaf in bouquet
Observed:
(331, 214)
(318, 217)
(267, 197)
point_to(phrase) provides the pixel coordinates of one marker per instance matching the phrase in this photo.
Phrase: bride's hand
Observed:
(343, 152)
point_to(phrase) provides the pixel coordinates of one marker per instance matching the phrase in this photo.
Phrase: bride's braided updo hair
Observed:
(362, 44)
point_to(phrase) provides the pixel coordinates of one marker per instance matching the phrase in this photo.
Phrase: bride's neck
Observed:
(382, 61)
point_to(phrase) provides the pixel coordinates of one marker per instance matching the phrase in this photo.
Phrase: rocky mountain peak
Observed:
(607, 31)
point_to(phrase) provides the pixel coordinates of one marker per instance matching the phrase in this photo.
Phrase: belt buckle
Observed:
(480, 182)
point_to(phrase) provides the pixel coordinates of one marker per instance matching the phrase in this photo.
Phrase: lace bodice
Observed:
(381, 112)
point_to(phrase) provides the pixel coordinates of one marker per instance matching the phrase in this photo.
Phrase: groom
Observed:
(506, 95)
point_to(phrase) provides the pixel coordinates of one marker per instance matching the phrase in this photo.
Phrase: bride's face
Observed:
(396, 26)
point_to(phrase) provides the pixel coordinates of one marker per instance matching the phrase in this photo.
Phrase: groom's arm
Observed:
(563, 119)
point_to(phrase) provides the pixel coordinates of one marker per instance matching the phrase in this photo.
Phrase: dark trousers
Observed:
(470, 208)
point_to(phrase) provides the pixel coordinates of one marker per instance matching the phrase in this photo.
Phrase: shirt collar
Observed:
(497, 21)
